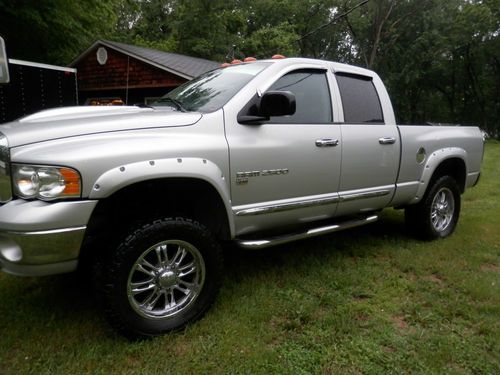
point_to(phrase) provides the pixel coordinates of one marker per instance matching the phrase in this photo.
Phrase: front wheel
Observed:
(165, 275)
(436, 215)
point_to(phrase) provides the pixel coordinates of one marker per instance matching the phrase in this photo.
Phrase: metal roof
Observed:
(185, 66)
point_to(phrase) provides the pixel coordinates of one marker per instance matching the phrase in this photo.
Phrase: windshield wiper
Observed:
(177, 104)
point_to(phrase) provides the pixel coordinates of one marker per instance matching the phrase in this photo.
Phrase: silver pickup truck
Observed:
(259, 154)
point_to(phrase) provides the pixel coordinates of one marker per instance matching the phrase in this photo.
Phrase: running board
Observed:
(279, 240)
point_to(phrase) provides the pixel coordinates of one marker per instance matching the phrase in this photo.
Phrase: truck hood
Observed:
(75, 121)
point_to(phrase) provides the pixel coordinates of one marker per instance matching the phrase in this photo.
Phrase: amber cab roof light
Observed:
(247, 60)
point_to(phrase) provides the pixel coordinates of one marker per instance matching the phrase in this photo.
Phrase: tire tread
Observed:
(116, 261)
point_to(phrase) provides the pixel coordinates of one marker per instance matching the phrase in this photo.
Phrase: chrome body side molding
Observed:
(286, 206)
(369, 194)
(280, 207)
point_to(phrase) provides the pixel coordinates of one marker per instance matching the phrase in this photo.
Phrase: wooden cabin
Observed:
(112, 73)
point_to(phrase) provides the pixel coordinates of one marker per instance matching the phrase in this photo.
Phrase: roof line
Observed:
(84, 54)
(107, 44)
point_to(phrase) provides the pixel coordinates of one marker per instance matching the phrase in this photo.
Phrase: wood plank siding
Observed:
(113, 74)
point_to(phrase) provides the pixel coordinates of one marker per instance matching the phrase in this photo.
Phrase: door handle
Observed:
(387, 140)
(327, 142)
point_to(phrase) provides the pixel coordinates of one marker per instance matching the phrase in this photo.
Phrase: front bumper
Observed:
(40, 238)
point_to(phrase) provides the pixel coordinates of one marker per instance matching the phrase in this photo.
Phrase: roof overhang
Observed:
(108, 45)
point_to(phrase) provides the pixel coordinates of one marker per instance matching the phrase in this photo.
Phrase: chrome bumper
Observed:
(39, 238)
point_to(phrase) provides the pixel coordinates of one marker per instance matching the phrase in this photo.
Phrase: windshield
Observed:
(210, 91)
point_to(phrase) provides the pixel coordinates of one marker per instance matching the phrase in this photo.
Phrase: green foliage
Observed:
(206, 28)
(54, 31)
(440, 60)
(268, 41)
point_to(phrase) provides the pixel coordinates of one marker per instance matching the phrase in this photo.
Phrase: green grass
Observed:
(371, 300)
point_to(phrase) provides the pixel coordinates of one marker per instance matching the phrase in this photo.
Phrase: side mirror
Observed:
(277, 103)
(272, 103)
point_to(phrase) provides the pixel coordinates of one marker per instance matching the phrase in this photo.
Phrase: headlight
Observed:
(45, 182)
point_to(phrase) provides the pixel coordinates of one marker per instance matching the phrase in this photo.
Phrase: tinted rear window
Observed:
(359, 99)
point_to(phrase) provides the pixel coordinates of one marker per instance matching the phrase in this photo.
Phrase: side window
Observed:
(359, 99)
(312, 97)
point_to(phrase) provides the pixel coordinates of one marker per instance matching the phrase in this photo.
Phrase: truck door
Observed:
(370, 147)
(286, 170)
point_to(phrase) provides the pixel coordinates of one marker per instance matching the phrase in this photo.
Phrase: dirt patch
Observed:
(388, 349)
(360, 297)
(181, 349)
(411, 276)
(363, 321)
(490, 267)
(434, 278)
(362, 317)
(132, 362)
(399, 321)
(287, 323)
(320, 313)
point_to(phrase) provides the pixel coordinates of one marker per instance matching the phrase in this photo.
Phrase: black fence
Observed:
(34, 87)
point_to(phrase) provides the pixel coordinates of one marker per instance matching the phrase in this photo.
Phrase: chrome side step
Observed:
(273, 241)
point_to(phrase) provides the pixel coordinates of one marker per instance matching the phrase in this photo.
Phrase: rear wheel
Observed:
(436, 215)
(165, 275)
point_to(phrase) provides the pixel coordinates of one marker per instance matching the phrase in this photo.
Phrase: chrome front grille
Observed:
(5, 183)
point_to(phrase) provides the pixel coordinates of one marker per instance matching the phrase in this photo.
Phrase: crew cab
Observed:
(259, 154)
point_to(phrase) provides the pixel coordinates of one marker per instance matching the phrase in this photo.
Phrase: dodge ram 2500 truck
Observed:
(259, 153)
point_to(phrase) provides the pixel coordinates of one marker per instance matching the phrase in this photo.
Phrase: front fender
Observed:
(120, 177)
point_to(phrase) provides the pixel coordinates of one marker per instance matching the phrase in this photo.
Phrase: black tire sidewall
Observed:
(420, 215)
(118, 308)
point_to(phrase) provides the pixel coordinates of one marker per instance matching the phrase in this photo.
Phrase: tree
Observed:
(439, 59)
(54, 31)
(147, 23)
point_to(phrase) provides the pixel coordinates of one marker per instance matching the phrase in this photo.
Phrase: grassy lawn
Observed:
(371, 300)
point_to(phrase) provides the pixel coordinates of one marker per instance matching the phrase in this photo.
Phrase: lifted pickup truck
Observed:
(259, 153)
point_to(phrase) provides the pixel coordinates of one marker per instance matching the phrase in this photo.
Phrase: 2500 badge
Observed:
(242, 177)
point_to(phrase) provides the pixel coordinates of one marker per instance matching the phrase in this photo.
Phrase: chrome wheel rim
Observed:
(443, 207)
(166, 279)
